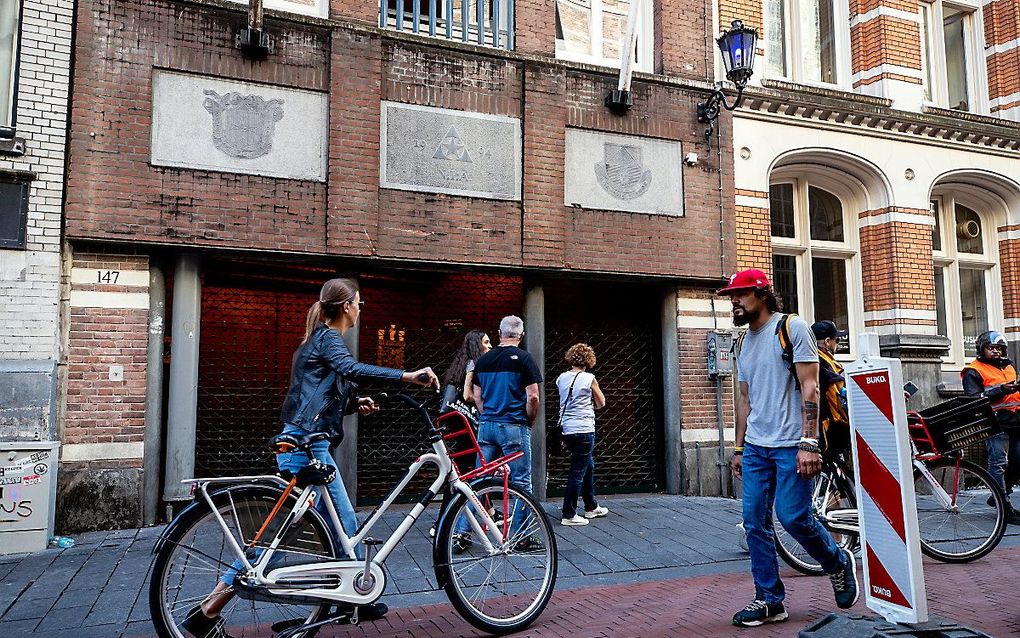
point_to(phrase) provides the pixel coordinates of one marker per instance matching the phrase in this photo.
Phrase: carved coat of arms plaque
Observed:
(243, 125)
(621, 172)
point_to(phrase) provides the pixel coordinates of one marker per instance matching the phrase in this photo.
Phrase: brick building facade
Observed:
(198, 236)
(875, 168)
(35, 62)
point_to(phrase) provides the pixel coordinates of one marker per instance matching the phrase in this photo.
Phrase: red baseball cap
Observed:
(744, 280)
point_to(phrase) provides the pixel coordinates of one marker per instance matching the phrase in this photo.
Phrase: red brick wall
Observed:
(114, 194)
(98, 409)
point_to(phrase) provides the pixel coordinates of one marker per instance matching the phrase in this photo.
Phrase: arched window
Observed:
(814, 256)
(965, 257)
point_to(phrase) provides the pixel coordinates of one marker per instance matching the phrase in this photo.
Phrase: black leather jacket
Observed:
(323, 384)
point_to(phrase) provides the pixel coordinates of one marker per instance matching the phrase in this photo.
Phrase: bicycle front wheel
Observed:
(973, 521)
(506, 590)
(195, 554)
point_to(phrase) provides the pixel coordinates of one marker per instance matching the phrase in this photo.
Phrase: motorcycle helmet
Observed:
(990, 338)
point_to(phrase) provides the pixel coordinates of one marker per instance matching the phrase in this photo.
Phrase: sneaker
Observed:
(375, 611)
(529, 545)
(598, 512)
(1013, 517)
(462, 542)
(759, 612)
(844, 581)
(201, 626)
(576, 519)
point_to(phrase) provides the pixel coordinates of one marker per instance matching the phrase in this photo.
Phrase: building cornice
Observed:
(835, 108)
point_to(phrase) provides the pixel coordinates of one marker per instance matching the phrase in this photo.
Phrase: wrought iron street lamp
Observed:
(737, 47)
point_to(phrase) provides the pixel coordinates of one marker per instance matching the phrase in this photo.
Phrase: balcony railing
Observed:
(485, 22)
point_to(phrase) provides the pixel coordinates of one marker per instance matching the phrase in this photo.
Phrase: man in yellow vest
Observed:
(992, 375)
(832, 414)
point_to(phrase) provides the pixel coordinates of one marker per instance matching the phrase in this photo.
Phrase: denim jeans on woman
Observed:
(581, 479)
(500, 439)
(293, 462)
(770, 478)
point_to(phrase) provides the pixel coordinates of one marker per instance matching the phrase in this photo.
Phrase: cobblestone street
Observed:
(657, 566)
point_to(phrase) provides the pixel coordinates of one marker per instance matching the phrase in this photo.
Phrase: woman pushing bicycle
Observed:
(323, 389)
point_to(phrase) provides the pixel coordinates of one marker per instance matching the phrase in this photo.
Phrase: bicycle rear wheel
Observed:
(504, 591)
(195, 553)
(790, 550)
(972, 525)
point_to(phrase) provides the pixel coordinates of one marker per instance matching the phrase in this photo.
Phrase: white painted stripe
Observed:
(1012, 113)
(1004, 100)
(885, 68)
(105, 276)
(1011, 323)
(752, 202)
(1008, 234)
(722, 322)
(1002, 48)
(693, 304)
(99, 451)
(900, 313)
(903, 218)
(902, 329)
(705, 434)
(889, 12)
(93, 299)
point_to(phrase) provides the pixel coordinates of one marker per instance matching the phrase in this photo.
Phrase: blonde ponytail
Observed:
(313, 321)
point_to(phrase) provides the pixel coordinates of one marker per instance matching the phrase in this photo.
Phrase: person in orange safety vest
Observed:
(992, 375)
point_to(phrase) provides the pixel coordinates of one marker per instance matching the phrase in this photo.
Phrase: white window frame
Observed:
(950, 260)
(792, 38)
(12, 104)
(803, 249)
(645, 48)
(319, 9)
(977, 80)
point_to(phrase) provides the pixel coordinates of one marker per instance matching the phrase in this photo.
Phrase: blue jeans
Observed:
(500, 439)
(1004, 458)
(770, 477)
(582, 473)
(293, 462)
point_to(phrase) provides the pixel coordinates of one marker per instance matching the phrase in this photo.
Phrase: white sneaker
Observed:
(577, 520)
(598, 512)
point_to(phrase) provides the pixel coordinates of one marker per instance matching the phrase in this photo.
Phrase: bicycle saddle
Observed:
(284, 443)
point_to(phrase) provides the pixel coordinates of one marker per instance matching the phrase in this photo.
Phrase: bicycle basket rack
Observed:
(455, 426)
(953, 425)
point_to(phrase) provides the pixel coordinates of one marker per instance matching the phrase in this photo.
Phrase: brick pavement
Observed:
(655, 557)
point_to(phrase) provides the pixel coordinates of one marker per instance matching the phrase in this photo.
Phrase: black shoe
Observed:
(759, 612)
(366, 613)
(844, 581)
(529, 545)
(991, 501)
(1013, 517)
(461, 543)
(201, 626)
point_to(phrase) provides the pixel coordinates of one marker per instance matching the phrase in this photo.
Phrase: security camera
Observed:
(691, 159)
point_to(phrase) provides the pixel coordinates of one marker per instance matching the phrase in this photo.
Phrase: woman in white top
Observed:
(580, 396)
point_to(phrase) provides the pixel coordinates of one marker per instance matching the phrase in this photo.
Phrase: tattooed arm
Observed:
(809, 463)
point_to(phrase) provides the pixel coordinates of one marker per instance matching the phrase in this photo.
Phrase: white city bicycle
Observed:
(291, 571)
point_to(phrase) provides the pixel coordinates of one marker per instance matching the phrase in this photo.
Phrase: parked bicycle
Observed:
(291, 572)
(961, 512)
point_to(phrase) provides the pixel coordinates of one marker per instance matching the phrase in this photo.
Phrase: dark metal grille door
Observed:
(248, 339)
(409, 321)
(628, 431)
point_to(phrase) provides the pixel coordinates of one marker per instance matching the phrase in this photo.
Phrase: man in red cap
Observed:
(776, 446)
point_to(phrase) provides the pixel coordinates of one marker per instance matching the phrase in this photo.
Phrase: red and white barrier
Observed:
(891, 548)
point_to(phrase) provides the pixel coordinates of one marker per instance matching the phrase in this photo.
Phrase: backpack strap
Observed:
(786, 343)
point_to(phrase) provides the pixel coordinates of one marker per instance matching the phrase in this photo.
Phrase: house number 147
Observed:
(107, 276)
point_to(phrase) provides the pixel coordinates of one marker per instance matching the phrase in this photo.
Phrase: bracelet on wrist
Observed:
(809, 439)
(805, 446)
(737, 452)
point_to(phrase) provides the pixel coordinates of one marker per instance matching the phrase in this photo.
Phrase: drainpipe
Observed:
(152, 453)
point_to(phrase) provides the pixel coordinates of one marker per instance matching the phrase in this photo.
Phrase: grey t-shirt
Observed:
(776, 418)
